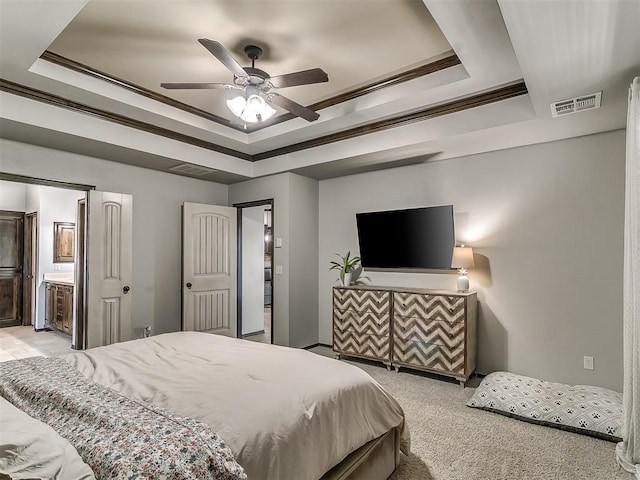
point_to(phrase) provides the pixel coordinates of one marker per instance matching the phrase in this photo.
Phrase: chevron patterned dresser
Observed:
(362, 323)
(430, 330)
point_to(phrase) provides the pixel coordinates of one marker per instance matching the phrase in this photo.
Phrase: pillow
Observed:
(30, 449)
(583, 409)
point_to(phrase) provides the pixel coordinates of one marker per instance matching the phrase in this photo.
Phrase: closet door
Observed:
(209, 269)
(11, 230)
(109, 268)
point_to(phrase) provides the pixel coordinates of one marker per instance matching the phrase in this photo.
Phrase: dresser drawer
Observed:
(359, 300)
(361, 322)
(362, 345)
(429, 356)
(435, 332)
(443, 308)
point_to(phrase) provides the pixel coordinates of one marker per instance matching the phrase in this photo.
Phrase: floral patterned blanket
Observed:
(118, 437)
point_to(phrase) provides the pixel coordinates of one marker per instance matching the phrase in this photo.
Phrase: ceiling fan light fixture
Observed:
(251, 110)
(237, 105)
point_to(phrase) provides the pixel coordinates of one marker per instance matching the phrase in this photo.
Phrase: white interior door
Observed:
(209, 263)
(109, 268)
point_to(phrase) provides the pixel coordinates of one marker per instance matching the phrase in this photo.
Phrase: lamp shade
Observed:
(462, 257)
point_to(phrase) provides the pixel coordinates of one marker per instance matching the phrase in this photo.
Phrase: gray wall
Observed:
(13, 196)
(546, 225)
(303, 255)
(157, 200)
(296, 223)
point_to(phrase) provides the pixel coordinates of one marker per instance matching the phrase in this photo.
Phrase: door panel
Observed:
(30, 267)
(109, 269)
(209, 251)
(11, 258)
(79, 340)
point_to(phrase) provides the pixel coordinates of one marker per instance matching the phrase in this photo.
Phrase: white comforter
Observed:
(29, 449)
(285, 413)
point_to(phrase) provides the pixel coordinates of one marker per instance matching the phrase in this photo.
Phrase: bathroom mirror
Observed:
(63, 242)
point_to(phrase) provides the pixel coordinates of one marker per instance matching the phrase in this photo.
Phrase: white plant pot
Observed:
(346, 279)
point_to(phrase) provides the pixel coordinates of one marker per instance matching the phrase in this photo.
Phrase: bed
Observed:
(284, 413)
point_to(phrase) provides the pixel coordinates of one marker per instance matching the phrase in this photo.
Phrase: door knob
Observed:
(126, 289)
(189, 285)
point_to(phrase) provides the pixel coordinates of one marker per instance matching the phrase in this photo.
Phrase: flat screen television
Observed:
(413, 238)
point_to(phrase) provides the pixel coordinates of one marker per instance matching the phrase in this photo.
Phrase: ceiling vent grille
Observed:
(190, 169)
(575, 105)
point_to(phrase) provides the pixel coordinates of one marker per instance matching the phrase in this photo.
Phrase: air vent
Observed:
(190, 169)
(575, 105)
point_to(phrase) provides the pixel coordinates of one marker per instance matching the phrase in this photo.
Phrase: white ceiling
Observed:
(561, 49)
(144, 42)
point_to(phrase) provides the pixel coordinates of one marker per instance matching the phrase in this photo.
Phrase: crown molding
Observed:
(485, 98)
(411, 74)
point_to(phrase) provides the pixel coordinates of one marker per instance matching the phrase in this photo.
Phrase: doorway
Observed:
(255, 268)
(44, 281)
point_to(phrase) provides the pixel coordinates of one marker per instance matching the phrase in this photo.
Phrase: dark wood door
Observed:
(11, 258)
(30, 266)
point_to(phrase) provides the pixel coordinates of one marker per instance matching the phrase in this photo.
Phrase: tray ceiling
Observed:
(355, 42)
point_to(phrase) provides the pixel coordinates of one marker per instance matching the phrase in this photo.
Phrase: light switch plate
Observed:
(279, 270)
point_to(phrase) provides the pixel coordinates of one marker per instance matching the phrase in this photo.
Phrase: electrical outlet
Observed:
(56, 267)
(279, 270)
(278, 242)
(588, 363)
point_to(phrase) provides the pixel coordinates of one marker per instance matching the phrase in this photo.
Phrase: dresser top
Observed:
(408, 290)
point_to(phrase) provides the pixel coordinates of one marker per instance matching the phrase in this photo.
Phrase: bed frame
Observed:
(375, 460)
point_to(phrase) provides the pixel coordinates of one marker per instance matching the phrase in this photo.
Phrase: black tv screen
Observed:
(413, 238)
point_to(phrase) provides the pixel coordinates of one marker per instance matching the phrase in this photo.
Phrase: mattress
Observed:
(285, 413)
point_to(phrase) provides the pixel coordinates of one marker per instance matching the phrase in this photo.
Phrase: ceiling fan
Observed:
(253, 103)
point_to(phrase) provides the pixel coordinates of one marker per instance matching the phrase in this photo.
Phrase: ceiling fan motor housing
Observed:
(256, 76)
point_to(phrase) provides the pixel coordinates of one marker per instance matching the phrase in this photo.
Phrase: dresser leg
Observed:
(388, 367)
(462, 383)
(337, 356)
(397, 368)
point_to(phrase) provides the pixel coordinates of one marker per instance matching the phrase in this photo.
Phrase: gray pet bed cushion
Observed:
(583, 409)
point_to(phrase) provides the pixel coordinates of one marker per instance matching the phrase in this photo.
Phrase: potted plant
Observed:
(345, 266)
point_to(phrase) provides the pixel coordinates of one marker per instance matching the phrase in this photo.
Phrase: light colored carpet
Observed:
(450, 441)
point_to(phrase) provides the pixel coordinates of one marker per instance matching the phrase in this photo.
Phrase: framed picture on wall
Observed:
(63, 242)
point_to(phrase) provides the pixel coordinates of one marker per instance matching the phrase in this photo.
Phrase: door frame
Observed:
(12, 177)
(240, 206)
(79, 332)
(30, 229)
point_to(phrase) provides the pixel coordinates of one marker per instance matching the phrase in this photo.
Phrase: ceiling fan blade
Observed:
(178, 86)
(293, 107)
(222, 54)
(304, 77)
